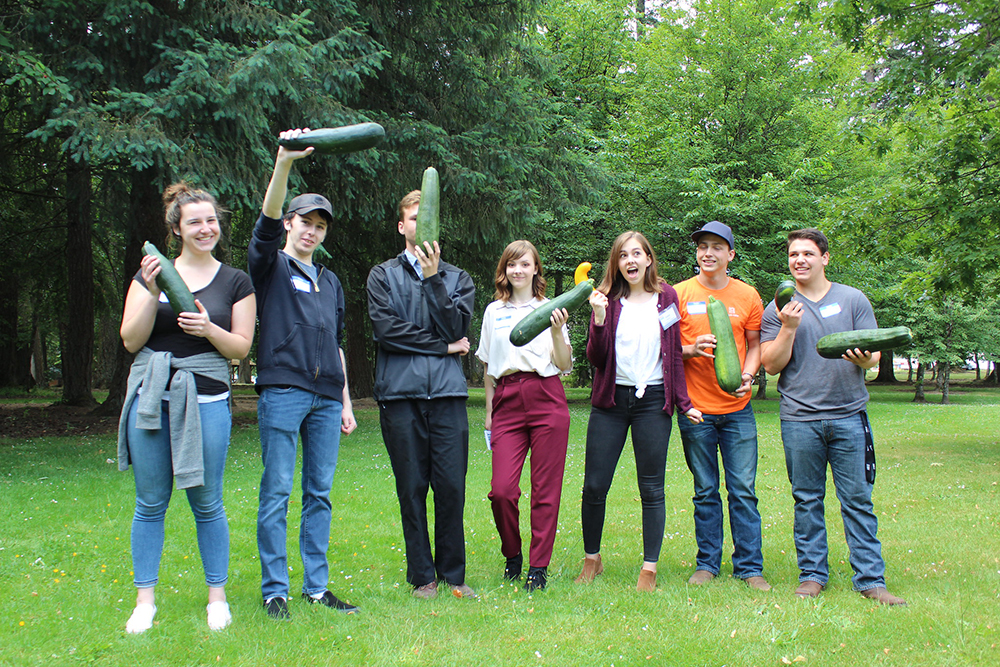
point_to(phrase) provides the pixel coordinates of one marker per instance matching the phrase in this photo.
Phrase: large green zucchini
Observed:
(833, 346)
(336, 140)
(429, 212)
(537, 321)
(170, 282)
(727, 359)
(784, 293)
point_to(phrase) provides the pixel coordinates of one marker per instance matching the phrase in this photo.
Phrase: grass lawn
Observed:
(65, 580)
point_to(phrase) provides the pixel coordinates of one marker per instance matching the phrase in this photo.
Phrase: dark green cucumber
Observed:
(429, 212)
(336, 140)
(170, 282)
(784, 293)
(832, 346)
(537, 320)
(727, 360)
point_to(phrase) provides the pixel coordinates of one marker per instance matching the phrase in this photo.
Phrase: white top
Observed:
(503, 358)
(637, 346)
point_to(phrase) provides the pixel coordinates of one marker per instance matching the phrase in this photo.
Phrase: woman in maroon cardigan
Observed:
(635, 347)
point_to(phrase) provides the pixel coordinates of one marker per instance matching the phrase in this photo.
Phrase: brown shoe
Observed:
(758, 583)
(591, 568)
(464, 591)
(809, 589)
(427, 591)
(647, 581)
(882, 596)
(701, 577)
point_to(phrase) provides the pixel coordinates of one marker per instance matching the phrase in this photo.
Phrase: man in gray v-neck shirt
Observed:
(823, 419)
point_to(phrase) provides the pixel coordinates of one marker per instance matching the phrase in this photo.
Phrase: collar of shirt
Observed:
(415, 263)
(533, 304)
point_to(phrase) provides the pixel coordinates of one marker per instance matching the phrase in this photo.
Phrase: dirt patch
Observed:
(24, 421)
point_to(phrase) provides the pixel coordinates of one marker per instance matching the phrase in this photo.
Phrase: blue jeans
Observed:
(809, 447)
(734, 436)
(606, 433)
(283, 414)
(149, 452)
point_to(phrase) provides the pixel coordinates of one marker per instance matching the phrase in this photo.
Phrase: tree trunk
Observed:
(761, 385)
(944, 376)
(358, 348)
(9, 297)
(975, 359)
(909, 369)
(78, 327)
(245, 373)
(39, 366)
(918, 392)
(886, 369)
(146, 213)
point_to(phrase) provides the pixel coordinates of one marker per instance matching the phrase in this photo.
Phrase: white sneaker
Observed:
(141, 619)
(218, 615)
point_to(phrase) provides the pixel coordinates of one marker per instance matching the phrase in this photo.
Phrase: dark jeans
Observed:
(734, 437)
(606, 434)
(428, 445)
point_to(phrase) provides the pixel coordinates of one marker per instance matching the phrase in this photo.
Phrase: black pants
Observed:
(428, 445)
(606, 432)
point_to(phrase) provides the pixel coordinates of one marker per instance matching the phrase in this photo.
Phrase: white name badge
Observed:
(669, 317)
(163, 298)
(301, 284)
(830, 310)
(697, 307)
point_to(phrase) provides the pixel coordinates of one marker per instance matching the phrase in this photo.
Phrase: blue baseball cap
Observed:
(717, 228)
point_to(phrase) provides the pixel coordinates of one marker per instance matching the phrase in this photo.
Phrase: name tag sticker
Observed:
(697, 307)
(830, 310)
(163, 298)
(301, 284)
(669, 317)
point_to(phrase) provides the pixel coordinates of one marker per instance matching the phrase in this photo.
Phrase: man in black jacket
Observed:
(302, 382)
(421, 308)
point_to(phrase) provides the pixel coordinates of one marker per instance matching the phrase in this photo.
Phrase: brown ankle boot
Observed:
(647, 581)
(591, 568)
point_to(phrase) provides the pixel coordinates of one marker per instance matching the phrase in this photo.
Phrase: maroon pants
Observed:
(529, 413)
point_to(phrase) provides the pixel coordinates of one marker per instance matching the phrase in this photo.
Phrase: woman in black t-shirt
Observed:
(176, 419)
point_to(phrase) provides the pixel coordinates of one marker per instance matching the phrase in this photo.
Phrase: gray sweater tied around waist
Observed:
(150, 371)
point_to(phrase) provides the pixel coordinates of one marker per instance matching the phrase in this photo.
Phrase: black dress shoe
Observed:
(277, 608)
(333, 602)
(537, 578)
(512, 571)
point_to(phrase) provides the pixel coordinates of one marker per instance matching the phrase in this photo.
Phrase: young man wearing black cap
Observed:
(302, 382)
(729, 427)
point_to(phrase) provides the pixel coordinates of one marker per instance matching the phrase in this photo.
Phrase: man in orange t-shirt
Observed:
(729, 427)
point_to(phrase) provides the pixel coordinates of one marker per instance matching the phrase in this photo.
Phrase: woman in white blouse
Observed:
(525, 410)
(635, 348)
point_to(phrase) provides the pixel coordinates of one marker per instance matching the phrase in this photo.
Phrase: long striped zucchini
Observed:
(170, 282)
(727, 360)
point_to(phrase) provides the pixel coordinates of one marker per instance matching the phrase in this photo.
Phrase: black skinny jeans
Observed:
(606, 434)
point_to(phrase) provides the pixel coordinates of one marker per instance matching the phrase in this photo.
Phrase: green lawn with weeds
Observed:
(66, 583)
